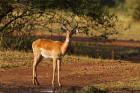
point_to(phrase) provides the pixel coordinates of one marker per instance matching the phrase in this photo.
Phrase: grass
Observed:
(92, 89)
(14, 59)
(131, 84)
(113, 87)
(91, 49)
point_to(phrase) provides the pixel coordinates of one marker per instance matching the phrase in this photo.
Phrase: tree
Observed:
(136, 14)
(26, 15)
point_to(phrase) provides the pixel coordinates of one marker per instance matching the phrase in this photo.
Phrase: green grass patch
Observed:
(128, 84)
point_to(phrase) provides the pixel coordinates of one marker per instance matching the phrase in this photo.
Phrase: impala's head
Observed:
(70, 30)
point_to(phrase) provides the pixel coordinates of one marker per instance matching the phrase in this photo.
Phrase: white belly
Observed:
(45, 53)
(48, 54)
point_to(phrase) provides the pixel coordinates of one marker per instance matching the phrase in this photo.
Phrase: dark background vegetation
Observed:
(15, 13)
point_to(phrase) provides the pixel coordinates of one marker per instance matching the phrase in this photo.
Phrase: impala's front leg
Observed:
(58, 69)
(35, 80)
(54, 69)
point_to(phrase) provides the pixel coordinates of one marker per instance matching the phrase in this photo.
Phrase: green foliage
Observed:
(136, 14)
(91, 89)
(19, 9)
(114, 3)
(5, 8)
(92, 49)
(27, 15)
(16, 43)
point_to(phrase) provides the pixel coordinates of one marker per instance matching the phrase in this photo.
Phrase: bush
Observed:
(15, 43)
(92, 89)
(136, 14)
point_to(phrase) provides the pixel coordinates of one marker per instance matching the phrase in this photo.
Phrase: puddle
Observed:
(39, 90)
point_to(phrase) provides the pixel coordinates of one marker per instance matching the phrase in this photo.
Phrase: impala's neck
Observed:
(66, 43)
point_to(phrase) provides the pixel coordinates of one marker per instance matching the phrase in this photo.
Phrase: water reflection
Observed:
(72, 89)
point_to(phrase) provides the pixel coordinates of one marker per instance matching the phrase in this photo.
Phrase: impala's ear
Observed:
(63, 28)
(75, 29)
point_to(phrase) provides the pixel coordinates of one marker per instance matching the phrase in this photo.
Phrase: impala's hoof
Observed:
(33, 82)
(53, 86)
(36, 83)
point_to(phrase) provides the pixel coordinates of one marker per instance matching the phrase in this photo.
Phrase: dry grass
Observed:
(12, 59)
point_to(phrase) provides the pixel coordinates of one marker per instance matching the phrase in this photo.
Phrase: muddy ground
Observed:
(74, 75)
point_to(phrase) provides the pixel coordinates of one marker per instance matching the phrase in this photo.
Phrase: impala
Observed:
(51, 49)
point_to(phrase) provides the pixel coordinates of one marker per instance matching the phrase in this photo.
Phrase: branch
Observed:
(5, 14)
(6, 25)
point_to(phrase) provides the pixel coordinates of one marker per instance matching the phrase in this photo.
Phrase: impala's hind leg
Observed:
(54, 70)
(37, 59)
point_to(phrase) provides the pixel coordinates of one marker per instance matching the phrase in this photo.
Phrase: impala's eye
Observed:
(75, 31)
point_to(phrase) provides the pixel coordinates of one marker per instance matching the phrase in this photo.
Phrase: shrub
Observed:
(15, 43)
(92, 89)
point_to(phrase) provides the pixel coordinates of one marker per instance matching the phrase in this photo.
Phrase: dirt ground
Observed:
(75, 74)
